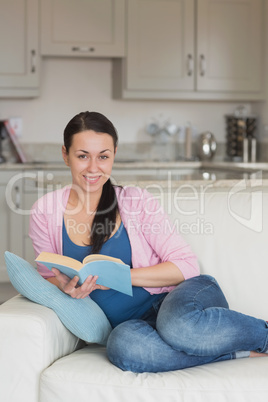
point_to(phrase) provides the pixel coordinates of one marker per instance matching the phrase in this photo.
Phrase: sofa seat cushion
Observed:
(93, 377)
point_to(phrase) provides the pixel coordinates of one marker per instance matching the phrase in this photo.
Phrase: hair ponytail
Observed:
(105, 218)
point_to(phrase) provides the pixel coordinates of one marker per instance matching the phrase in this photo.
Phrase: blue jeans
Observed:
(193, 326)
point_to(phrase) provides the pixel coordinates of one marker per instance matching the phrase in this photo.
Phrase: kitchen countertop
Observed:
(222, 165)
(211, 176)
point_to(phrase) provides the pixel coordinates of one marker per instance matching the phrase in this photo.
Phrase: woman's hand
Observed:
(70, 287)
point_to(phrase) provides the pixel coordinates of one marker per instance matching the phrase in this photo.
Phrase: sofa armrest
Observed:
(31, 338)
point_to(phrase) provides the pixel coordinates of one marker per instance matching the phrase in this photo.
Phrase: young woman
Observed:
(176, 317)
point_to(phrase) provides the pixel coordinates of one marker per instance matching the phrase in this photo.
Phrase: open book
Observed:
(112, 272)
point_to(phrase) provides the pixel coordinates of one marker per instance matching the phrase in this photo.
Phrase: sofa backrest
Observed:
(228, 230)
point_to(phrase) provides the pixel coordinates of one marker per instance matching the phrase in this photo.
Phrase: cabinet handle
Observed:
(203, 65)
(33, 61)
(190, 65)
(83, 49)
(17, 197)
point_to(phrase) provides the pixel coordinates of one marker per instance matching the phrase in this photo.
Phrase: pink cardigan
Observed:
(152, 236)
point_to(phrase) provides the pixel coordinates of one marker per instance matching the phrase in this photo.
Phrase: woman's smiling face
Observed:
(90, 158)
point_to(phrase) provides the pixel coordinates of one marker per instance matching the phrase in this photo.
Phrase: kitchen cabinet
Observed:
(230, 48)
(19, 62)
(192, 49)
(83, 28)
(155, 30)
(11, 219)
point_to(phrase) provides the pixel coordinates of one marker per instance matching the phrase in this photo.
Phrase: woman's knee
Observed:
(118, 339)
(125, 347)
(180, 313)
(193, 294)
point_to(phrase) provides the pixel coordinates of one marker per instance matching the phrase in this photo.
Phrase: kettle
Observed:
(206, 146)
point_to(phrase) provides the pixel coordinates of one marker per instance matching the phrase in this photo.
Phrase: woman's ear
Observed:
(65, 155)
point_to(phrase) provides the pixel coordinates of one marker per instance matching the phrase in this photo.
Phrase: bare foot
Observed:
(256, 354)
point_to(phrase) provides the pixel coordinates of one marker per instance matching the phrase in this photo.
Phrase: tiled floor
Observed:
(6, 291)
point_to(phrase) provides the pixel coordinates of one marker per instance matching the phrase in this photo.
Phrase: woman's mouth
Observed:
(92, 179)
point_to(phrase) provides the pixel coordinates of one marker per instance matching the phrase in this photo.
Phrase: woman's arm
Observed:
(163, 274)
(161, 258)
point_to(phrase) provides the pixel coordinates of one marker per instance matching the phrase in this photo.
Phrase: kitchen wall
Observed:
(70, 85)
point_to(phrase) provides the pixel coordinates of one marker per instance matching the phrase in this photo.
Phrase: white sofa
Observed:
(41, 361)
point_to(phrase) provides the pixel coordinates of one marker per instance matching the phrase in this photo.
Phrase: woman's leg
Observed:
(195, 318)
(136, 346)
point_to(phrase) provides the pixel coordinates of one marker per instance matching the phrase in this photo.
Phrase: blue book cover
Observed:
(111, 272)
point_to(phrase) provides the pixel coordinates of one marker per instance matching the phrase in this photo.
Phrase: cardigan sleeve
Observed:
(165, 239)
(45, 228)
(154, 237)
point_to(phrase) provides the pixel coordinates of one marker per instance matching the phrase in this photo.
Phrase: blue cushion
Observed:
(83, 317)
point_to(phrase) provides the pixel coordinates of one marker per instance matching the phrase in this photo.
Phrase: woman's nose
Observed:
(92, 165)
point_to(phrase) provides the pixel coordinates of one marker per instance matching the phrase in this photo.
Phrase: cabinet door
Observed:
(18, 46)
(229, 42)
(160, 45)
(82, 28)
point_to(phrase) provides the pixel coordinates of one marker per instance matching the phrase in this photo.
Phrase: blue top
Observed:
(117, 306)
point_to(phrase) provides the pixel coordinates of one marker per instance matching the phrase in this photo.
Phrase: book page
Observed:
(59, 259)
(101, 257)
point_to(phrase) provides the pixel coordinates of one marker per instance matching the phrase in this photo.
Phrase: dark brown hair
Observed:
(107, 210)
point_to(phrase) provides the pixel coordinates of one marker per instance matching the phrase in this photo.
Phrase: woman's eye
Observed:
(82, 156)
(103, 157)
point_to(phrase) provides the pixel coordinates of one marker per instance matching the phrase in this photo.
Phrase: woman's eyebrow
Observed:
(82, 150)
(101, 152)
(87, 152)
